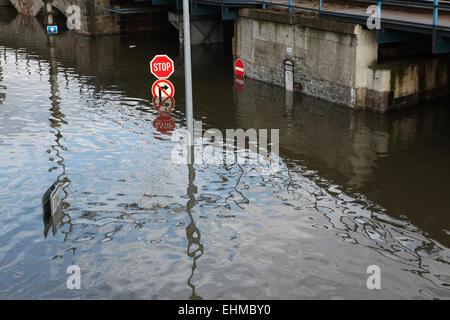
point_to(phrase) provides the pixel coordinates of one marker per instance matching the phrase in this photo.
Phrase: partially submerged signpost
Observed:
(52, 208)
(51, 28)
(51, 201)
(162, 67)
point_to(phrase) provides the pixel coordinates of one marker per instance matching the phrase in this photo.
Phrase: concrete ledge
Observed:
(406, 82)
(304, 20)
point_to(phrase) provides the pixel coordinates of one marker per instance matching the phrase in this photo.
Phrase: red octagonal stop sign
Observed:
(161, 66)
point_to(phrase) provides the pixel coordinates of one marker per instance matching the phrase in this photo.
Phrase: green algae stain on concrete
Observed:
(397, 76)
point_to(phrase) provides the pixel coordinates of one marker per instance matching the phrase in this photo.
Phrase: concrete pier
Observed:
(336, 61)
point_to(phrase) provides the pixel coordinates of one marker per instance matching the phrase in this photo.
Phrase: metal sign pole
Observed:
(188, 72)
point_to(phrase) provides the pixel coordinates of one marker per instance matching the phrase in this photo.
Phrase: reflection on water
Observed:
(56, 121)
(195, 247)
(393, 159)
(164, 123)
(354, 189)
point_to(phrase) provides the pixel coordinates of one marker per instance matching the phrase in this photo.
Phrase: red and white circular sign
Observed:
(239, 68)
(161, 66)
(163, 88)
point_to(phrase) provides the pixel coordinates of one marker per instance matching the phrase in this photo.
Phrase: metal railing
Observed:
(434, 5)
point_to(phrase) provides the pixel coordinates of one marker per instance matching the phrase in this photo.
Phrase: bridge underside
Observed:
(112, 16)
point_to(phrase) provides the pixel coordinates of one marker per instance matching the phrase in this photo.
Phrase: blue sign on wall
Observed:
(52, 29)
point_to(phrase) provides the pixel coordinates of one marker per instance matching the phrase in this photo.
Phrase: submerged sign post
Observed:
(162, 67)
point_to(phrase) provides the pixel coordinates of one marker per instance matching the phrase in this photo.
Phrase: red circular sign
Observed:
(239, 68)
(161, 66)
(163, 88)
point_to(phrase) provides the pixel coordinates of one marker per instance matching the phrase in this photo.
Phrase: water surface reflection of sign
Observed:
(165, 105)
(164, 123)
(239, 83)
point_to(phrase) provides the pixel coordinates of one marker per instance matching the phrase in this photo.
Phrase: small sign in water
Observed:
(51, 201)
(52, 208)
(52, 29)
(55, 199)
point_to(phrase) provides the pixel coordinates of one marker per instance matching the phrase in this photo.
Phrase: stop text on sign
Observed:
(162, 66)
(158, 67)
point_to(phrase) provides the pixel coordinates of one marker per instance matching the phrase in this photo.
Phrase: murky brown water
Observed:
(355, 189)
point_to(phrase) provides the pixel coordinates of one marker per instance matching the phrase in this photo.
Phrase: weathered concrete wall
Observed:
(103, 22)
(94, 19)
(28, 7)
(407, 82)
(333, 60)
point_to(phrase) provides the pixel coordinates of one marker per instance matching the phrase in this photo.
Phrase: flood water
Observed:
(354, 189)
